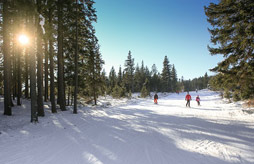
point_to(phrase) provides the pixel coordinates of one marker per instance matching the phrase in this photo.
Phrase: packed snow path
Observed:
(132, 132)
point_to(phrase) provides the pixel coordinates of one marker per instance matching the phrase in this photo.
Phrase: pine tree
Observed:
(32, 52)
(148, 76)
(206, 79)
(94, 68)
(45, 38)
(60, 73)
(166, 76)
(39, 62)
(232, 33)
(174, 79)
(104, 83)
(145, 89)
(19, 67)
(129, 72)
(112, 79)
(155, 79)
(51, 58)
(143, 74)
(7, 60)
(76, 63)
(137, 79)
(46, 70)
(119, 76)
(118, 92)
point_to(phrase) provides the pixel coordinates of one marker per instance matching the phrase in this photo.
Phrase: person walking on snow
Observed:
(188, 99)
(155, 98)
(198, 100)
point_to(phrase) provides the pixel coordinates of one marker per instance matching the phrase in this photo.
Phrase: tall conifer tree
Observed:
(129, 72)
(232, 33)
(166, 76)
(60, 73)
(174, 79)
(7, 58)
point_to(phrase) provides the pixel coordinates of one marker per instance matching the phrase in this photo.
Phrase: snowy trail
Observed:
(133, 132)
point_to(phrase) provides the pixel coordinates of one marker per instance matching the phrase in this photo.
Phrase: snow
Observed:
(132, 131)
(42, 23)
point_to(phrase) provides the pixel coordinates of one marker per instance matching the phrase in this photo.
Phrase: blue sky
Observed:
(153, 29)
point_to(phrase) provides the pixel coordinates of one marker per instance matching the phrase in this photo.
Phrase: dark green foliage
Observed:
(112, 79)
(232, 32)
(155, 79)
(118, 92)
(227, 94)
(129, 72)
(134, 79)
(104, 80)
(145, 90)
(94, 68)
(195, 84)
(120, 76)
(7, 58)
(129, 94)
(174, 79)
(166, 80)
(236, 96)
(143, 79)
(140, 76)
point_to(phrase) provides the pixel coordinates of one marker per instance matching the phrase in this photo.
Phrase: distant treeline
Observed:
(138, 78)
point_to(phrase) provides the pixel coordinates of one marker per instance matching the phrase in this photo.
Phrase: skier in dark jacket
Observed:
(198, 100)
(155, 98)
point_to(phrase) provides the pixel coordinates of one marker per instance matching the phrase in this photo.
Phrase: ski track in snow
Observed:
(132, 132)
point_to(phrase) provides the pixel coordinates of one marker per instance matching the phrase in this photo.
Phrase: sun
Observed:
(23, 39)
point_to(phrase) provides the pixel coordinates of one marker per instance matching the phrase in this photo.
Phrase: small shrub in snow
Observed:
(236, 96)
(129, 94)
(227, 94)
(118, 92)
(144, 92)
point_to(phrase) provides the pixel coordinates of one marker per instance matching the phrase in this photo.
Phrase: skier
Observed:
(198, 100)
(155, 98)
(188, 99)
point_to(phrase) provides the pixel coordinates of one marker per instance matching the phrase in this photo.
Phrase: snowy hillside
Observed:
(132, 132)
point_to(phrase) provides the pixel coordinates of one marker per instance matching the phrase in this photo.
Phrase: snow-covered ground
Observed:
(132, 132)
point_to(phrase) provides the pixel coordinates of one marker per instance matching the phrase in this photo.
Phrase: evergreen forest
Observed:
(49, 52)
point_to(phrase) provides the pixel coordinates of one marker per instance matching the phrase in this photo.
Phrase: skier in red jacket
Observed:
(188, 99)
(155, 98)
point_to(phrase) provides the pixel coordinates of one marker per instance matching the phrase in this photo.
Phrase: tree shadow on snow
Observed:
(142, 136)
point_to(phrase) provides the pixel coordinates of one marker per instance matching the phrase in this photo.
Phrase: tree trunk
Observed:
(14, 69)
(19, 79)
(7, 61)
(60, 78)
(69, 94)
(39, 67)
(76, 63)
(51, 58)
(34, 111)
(19, 71)
(94, 95)
(72, 98)
(27, 61)
(26, 75)
(46, 71)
